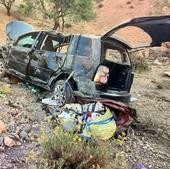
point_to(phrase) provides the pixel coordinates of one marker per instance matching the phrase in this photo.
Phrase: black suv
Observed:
(101, 64)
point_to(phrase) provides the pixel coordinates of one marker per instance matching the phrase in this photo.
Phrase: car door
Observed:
(46, 59)
(19, 54)
(86, 52)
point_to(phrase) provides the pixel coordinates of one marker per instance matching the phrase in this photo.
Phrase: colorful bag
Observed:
(103, 127)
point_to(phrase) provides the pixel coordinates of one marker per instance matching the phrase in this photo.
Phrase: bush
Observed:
(25, 8)
(68, 151)
(139, 61)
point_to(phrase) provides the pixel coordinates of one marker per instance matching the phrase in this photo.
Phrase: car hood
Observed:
(157, 27)
(14, 29)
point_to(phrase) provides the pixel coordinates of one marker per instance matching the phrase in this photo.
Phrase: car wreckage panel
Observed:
(19, 54)
(84, 62)
(14, 29)
(157, 27)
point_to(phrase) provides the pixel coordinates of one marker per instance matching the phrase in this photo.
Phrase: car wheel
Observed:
(62, 94)
(2, 68)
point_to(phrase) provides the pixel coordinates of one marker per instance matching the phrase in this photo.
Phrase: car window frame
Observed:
(57, 48)
(25, 35)
(113, 45)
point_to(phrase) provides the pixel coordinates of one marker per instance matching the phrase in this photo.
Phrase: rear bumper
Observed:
(122, 96)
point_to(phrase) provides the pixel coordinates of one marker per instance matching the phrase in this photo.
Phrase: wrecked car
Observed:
(100, 65)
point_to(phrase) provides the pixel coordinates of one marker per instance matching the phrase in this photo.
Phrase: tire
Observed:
(2, 68)
(63, 96)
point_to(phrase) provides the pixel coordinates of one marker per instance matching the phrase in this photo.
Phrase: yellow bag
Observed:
(102, 128)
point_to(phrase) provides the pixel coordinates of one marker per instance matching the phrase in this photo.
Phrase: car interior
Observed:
(116, 59)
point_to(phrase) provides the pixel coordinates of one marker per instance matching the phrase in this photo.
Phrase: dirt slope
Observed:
(109, 13)
(114, 12)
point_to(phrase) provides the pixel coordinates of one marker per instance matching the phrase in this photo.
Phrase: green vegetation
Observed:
(60, 10)
(68, 151)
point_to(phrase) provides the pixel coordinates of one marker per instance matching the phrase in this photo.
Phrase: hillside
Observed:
(109, 13)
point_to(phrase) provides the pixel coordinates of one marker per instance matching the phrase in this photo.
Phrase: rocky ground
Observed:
(147, 142)
(20, 116)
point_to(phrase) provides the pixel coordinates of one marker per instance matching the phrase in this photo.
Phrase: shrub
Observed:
(68, 151)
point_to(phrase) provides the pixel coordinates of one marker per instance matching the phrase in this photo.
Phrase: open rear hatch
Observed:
(157, 27)
(120, 75)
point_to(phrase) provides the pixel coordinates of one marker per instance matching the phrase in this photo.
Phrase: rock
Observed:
(8, 141)
(2, 126)
(32, 138)
(166, 74)
(157, 62)
(19, 143)
(18, 129)
(27, 128)
(1, 141)
(14, 136)
(23, 135)
(2, 149)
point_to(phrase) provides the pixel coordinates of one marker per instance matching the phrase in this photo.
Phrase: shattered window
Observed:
(27, 40)
(55, 44)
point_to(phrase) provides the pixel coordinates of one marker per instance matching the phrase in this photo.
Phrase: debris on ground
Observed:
(140, 166)
(133, 99)
(147, 144)
(94, 117)
(33, 88)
